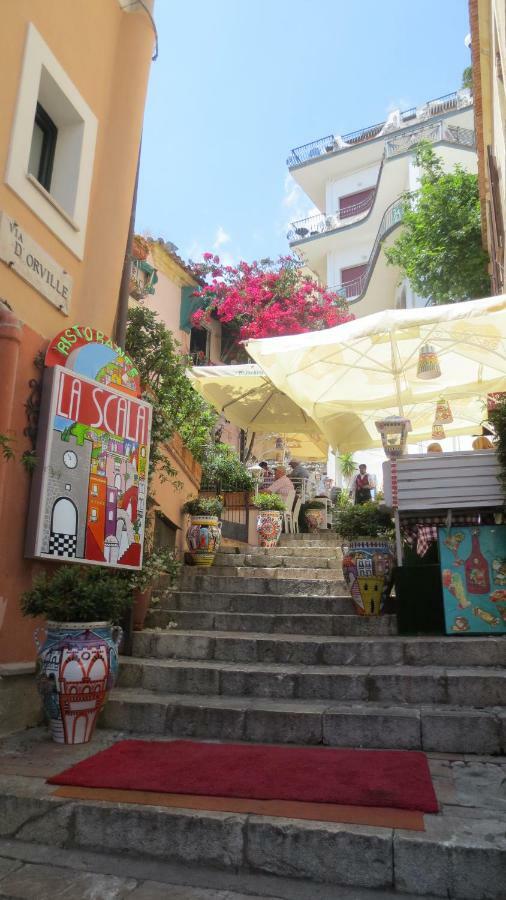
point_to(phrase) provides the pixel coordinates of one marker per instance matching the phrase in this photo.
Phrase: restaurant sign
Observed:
(88, 500)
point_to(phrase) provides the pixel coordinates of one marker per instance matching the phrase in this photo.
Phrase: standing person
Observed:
(362, 485)
(268, 476)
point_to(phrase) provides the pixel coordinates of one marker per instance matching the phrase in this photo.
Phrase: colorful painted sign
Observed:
(88, 501)
(473, 571)
(90, 352)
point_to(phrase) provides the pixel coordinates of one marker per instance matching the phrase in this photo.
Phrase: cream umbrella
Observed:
(393, 362)
(307, 447)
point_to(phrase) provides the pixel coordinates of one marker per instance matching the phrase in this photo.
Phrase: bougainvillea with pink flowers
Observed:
(265, 299)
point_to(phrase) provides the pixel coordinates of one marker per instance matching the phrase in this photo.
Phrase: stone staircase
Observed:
(266, 646)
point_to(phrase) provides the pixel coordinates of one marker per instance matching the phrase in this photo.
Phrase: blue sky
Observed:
(238, 83)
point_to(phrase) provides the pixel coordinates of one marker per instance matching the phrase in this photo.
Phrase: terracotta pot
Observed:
(77, 664)
(269, 527)
(367, 567)
(142, 599)
(203, 538)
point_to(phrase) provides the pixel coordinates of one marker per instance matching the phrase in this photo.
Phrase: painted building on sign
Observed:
(88, 495)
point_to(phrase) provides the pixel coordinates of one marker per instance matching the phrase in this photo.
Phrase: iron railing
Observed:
(405, 141)
(354, 290)
(334, 144)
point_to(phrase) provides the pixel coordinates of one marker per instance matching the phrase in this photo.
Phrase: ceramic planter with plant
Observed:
(270, 518)
(315, 515)
(368, 555)
(156, 563)
(77, 658)
(204, 531)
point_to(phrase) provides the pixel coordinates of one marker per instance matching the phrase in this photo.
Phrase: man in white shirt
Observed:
(281, 484)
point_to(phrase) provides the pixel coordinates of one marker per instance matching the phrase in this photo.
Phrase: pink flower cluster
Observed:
(265, 299)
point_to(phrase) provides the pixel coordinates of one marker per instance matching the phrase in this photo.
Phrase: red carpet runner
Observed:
(398, 779)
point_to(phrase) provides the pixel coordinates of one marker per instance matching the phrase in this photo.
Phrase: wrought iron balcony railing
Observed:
(335, 143)
(354, 290)
(402, 143)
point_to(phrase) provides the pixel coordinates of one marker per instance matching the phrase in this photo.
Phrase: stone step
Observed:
(294, 572)
(329, 550)
(321, 537)
(255, 560)
(320, 650)
(456, 686)
(273, 623)
(260, 603)
(263, 581)
(460, 856)
(429, 727)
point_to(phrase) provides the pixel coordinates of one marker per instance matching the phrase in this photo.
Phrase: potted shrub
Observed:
(140, 247)
(204, 531)
(156, 562)
(223, 472)
(78, 660)
(314, 512)
(368, 555)
(269, 519)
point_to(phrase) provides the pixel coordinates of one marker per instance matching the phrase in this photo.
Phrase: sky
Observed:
(238, 83)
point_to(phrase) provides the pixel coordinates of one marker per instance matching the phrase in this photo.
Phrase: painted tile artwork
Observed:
(473, 572)
(89, 495)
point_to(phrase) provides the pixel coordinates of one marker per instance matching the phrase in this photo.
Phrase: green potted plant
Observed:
(223, 471)
(156, 562)
(78, 659)
(314, 515)
(368, 557)
(203, 535)
(269, 519)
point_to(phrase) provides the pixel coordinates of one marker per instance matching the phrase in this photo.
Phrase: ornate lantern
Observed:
(428, 363)
(394, 434)
(438, 432)
(444, 414)
(257, 474)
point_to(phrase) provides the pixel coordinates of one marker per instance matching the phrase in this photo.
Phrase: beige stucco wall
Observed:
(106, 52)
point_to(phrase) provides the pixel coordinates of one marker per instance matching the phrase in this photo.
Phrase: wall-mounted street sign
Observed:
(88, 499)
(27, 258)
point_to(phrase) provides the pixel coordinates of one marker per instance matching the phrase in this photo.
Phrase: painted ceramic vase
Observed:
(367, 568)
(315, 520)
(203, 538)
(268, 527)
(77, 665)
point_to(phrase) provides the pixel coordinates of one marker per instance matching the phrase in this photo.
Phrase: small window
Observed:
(94, 515)
(42, 148)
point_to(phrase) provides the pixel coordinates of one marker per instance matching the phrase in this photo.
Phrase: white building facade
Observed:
(356, 182)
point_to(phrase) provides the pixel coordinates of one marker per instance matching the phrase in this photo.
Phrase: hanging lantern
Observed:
(428, 363)
(444, 414)
(438, 432)
(394, 434)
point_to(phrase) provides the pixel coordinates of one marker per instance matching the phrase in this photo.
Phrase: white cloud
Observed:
(221, 238)
(296, 204)
(399, 103)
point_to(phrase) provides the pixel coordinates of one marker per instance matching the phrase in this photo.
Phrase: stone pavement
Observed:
(28, 872)
(462, 853)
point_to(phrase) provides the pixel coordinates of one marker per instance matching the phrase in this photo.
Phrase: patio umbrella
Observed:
(248, 399)
(307, 447)
(347, 377)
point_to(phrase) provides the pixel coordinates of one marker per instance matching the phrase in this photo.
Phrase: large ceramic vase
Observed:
(368, 566)
(203, 538)
(315, 519)
(269, 523)
(77, 664)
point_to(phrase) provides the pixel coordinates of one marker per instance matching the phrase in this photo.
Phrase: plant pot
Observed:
(203, 538)
(77, 665)
(142, 599)
(367, 568)
(315, 519)
(269, 527)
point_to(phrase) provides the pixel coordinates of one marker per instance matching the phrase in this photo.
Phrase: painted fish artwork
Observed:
(473, 572)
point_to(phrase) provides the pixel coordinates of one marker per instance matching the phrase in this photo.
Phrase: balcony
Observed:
(398, 120)
(402, 143)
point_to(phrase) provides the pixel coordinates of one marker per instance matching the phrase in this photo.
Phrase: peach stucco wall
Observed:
(106, 52)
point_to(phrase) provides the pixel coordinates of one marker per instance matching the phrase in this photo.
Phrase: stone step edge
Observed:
(407, 670)
(426, 727)
(356, 856)
(335, 638)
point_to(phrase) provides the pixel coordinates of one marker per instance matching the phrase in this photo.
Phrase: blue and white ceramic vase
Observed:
(77, 665)
(367, 567)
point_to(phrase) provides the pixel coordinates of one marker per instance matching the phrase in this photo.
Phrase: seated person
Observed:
(298, 470)
(281, 484)
(268, 476)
